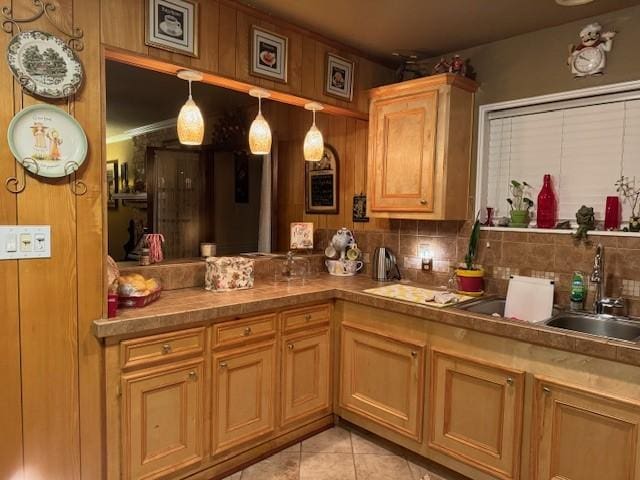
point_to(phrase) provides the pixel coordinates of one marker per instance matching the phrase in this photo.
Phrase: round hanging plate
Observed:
(44, 65)
(51, 137)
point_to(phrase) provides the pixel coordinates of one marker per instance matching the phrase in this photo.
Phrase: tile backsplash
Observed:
(544, 255)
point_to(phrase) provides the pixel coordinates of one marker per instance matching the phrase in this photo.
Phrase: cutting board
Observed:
(529, 299)
(411, 294)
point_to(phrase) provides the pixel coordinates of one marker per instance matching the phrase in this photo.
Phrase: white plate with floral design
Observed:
(44, 65)
(47, 141)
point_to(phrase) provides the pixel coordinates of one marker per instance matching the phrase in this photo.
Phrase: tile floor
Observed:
(341, 454)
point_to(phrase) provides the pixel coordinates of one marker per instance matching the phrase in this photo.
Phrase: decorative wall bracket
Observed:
(17, 185)
(44, 8)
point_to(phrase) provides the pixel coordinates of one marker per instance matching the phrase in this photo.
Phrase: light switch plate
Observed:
(25, 241)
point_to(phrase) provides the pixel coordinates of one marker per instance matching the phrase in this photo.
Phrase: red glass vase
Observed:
(547, 205)
(612, 214)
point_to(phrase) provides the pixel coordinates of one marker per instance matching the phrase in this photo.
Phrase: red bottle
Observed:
(547, 205)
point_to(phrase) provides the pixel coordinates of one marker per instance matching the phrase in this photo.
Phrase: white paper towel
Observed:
(529, 299)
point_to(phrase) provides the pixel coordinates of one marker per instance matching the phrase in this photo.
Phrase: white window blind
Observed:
(584, 148)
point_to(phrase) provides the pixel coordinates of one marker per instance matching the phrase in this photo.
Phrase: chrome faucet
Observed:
(598, 277)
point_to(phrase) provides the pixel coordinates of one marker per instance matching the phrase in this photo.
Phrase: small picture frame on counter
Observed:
(360, 208)
(301, 236)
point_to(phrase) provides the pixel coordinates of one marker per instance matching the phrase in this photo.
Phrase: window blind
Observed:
(584, 148)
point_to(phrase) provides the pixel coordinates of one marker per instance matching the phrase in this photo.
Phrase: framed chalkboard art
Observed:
(321, 183)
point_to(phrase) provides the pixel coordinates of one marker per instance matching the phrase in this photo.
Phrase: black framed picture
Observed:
(340, 73)
(268, 54)
(321, 183)
(173, 25)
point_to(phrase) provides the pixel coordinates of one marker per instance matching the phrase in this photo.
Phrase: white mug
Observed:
(335, 267)
(353, 266)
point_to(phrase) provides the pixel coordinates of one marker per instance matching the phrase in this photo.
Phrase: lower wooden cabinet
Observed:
(584, 435)
(162, 428)
(476, 413)
(306, 375)
(243, 394)
(382, 378)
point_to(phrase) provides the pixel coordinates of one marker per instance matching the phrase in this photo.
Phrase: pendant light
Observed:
(313, 141)
(260, 132)
(190, 121)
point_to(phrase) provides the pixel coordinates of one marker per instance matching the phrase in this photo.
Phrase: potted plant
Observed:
(519, 204)
(471, 278)
(631, 194)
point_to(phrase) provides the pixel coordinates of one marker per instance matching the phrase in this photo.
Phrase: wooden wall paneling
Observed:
(243, 47)
(91, 208)
(10, 394)
(360, 158)
(209, 28)
(227, 40)
(295, 61)
(49, 335)
(123, 24)
(335, 135)
(308, 81)
(347, 182)
(363, 81)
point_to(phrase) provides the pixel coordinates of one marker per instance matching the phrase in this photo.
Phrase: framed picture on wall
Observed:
(112, 183)
(172, 25)
(321, 183)
(339, 81)
(268, 55)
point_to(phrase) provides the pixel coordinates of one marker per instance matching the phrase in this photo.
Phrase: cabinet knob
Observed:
(546, 390)
(509, 381)
(247, 331)
(414, 354)
(290, 346)
(423, 202)
(307, 317)
(223, 364)
(192, 375)
(166, 348)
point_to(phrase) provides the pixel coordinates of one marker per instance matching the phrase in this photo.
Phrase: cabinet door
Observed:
(305, 376)
(244, 385)
(584, 435)
(382, 378)
(476, 413)
(403, 153)
(162, 419)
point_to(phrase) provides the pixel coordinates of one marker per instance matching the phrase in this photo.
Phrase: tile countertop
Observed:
(188, 306)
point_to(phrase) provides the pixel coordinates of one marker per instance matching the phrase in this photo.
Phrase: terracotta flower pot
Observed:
(470, 282)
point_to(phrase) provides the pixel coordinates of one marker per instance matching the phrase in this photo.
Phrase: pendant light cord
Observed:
(259, 105)
(190, 98)
(314, 117)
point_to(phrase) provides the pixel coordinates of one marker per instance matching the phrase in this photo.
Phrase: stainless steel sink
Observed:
(600, 325)
(487, 306)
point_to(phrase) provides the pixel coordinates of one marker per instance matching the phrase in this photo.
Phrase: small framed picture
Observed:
(340, 72)
(268, 55)
(112, 183)
(321, 183)
(172, 25)
(301, 236)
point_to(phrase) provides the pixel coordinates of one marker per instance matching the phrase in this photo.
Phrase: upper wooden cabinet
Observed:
(420, 135)
(584, 435)
(476, 413)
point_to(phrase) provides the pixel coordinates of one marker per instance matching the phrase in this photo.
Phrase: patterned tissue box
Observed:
(228, 273)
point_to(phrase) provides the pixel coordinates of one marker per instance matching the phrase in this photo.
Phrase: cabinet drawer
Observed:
(161, 348)
(302, 317)
(244, 330)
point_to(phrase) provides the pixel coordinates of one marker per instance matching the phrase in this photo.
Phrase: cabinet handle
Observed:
(192, 375)
(414, 354)
(509, 381)
(223, 364)
(166, 348)
(423, 202)
(307, 317)
(546, 390)
(247, 331)
(290, 346)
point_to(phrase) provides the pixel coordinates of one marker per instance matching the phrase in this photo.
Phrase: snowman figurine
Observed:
(589, 57)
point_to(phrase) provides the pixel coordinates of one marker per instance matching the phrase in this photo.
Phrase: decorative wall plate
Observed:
(44, 65)
(47, 141)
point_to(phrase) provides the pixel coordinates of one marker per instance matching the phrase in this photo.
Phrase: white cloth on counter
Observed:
(529, 299)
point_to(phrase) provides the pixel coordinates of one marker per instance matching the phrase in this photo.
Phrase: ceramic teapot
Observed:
(341, 240)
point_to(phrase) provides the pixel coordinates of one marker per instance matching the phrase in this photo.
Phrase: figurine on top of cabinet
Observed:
(589, 57)
(456, 65)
